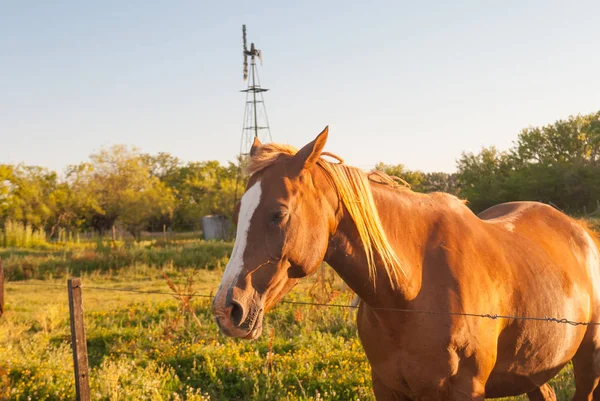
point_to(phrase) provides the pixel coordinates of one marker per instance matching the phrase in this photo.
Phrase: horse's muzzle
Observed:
(238, 319)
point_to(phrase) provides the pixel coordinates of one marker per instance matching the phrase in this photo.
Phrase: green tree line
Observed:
(118, 185)
(557, 164)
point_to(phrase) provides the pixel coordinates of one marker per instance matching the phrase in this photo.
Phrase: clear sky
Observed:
(400, 81)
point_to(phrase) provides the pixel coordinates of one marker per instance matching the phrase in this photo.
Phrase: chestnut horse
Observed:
(398, 249)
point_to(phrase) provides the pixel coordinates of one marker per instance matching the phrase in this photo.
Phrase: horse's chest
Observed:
(402, 360)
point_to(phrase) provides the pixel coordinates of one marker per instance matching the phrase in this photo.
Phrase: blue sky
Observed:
(400, 81)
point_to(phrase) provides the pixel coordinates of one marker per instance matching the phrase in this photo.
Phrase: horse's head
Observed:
(283, 227)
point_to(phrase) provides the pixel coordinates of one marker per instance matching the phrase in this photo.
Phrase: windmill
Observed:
(256, 122)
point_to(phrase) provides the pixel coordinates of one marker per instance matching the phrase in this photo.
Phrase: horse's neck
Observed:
(407, 218)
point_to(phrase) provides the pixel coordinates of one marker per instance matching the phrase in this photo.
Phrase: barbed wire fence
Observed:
(492, 316)
(79, 342)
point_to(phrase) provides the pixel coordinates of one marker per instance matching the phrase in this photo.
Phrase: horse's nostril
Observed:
(237, 314)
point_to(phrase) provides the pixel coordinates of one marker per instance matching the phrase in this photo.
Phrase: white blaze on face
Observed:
(248, 206)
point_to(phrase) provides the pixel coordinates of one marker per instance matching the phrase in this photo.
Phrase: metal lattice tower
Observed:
(256, 122)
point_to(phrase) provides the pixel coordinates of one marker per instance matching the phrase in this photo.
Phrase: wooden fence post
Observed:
(78, 341)
(1, 288)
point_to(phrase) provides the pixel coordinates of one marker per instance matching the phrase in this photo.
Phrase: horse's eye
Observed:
(277, 217)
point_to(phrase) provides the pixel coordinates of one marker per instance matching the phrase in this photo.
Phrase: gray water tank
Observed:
(215, 227)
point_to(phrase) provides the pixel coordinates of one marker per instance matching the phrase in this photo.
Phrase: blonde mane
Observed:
(354, 189)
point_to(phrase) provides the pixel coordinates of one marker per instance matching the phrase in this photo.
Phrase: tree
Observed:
(6, 189)
(118, 185)
(26, 193)
(571, 141)
(419, 181)
(439, 182)
(483, 177)
(164, 166)
(83, 201)
(207, 188)
(413, 178)
(558, 164)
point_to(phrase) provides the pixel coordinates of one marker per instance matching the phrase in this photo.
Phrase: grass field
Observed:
(157, 347)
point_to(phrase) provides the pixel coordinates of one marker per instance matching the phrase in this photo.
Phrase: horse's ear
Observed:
(311, 152)
(255, 145)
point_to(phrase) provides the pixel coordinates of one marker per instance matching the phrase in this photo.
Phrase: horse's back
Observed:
(509, 209)
(539, 223)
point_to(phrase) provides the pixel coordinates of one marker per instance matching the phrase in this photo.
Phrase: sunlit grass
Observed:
(140, 345)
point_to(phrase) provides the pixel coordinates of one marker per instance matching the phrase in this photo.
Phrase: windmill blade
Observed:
(244, 35)
(259, 55)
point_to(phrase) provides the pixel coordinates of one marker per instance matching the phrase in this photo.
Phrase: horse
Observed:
(424, 266)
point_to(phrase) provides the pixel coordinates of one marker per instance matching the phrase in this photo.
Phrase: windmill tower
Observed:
(256, 122)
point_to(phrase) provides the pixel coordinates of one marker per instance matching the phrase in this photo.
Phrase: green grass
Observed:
(141, 346)
(149, 347)
(108, 258)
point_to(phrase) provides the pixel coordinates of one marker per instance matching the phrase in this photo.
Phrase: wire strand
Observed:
(321, 304)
